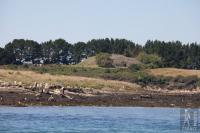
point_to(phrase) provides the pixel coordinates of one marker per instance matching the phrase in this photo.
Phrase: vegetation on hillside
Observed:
(89, 62)
(172, 54)
(136, 67)
(12, 76)
(133, 74)
(104, 60)
(174, 72)
(150, 60)
(118, 61)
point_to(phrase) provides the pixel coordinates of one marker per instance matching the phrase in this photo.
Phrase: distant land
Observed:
(101, 72)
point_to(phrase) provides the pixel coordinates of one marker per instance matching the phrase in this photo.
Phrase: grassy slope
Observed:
(123, 74)
(174, 72)
(95, 74)
(99, 78)
(119, 59)
(29, 77)
(89, 62)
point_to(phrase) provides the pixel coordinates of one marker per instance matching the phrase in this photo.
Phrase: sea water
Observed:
(89, 120)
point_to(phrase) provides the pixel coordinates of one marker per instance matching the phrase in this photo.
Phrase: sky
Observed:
(82, 20)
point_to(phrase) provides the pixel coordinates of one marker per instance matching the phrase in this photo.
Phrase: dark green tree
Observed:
(6, 57)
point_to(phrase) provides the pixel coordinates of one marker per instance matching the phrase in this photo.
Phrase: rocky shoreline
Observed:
(17, 94)
(114, 99)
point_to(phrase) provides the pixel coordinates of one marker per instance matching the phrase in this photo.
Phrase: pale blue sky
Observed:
(82, 20)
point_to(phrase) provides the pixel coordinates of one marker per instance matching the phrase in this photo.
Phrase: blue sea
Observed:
(89, 120)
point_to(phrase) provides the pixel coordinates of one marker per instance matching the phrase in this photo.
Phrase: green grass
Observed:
(123, 74)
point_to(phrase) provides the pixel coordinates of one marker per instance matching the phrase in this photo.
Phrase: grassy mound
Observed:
(118, 61)
(89, 62)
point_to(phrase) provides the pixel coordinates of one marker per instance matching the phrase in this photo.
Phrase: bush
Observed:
(151, 60)
(12, 67)
(25, 66)
(187, 80)
(152, 80)
(43, 70)
(107, 71)
(104, 60)
(74, 70)
(135, 67)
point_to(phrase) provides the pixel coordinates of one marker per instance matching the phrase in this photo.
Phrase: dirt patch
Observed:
(123, 61)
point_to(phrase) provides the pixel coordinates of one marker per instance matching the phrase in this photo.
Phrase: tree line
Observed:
(173, 53)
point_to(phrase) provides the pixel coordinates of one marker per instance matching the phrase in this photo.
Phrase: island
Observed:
(102, 72)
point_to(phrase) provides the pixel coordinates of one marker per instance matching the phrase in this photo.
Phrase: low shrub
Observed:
(151, 80)
(135, 67)
(12, 67)
(182, 79)
(25, 66)
(42, 70)
(151, 60)
(104, 60)
(74, 70)
(107, 71)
